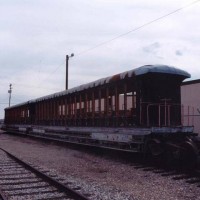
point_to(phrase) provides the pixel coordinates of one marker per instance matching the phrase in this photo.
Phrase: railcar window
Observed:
(130, 98)
(96, 105)
(23, 114)
(63, 110)
(59, 110)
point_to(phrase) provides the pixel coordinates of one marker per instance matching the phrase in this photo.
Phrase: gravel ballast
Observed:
(100, 177)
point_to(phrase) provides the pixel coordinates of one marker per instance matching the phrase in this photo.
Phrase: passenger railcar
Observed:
(139, 109)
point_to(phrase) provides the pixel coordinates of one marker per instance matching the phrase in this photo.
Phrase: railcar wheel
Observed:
(155, 147)
(154, 150)
(170, 158)
(189, 154)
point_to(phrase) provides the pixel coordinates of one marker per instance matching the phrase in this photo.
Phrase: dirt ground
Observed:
(108, 178)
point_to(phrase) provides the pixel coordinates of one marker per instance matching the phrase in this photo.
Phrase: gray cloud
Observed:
(178, 53)
(152, 48)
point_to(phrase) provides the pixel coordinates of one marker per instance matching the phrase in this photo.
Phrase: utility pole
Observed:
(10, 91)
(67, 61)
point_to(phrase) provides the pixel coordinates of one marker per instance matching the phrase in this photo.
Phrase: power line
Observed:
(115, 38)
(50, 74)
(126, 33)
(8, 104)
(30, 86)
(138, 28)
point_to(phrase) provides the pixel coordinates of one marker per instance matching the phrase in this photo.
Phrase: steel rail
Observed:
(61, 187)
(3, 195)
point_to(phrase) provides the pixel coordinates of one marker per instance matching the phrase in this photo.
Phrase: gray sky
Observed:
(36, 35)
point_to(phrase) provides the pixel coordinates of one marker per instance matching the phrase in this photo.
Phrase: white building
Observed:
(190, 99)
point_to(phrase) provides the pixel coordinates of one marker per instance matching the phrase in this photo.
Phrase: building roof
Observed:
(191, 82)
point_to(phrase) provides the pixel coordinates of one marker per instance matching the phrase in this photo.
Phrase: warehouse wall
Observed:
(190, 99)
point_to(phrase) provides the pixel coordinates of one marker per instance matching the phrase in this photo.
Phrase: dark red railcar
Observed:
(146, 96)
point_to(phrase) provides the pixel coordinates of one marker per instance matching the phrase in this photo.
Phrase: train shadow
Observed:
(189, 175)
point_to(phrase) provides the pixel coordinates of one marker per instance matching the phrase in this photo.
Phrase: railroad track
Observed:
(191, 176)
(19, 180)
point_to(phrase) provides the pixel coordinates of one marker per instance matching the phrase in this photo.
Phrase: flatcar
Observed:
(139, 110)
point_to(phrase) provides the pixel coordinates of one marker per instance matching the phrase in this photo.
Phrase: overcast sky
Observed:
(35, 37)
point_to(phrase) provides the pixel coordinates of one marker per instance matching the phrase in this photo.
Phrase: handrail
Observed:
(167, 112)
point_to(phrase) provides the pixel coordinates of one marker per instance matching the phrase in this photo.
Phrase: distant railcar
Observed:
(140, 107)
